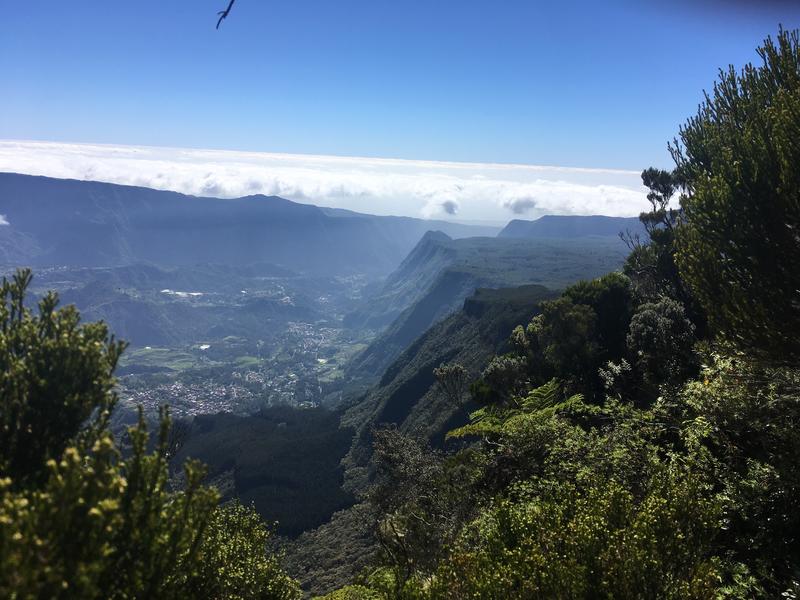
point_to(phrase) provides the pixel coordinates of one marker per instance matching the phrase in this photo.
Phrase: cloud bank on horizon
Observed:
(431, 189)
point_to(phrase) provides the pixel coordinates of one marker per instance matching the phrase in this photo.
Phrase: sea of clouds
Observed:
(457, 191)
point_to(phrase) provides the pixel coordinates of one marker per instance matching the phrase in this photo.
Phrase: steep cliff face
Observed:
(408, 283)
(440, 273)
(407, 395)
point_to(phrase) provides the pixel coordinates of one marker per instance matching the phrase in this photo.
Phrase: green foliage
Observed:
(417, 497)
(494, 420)
(103, 527)
(452, 378)
(233, 562)
(79, 520)
(691, 496)
(651, 263)
(582, 330)
(352, 592)
(56, 375)
(739, 249)
(384, 582)
(661, 339)
(567, 508)
(745, 424)
(106, 527)
(566, 542)
(611, 300)
(567, 334)
(502, 378)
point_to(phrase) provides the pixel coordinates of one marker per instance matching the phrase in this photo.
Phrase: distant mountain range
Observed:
(134, 242)
(571, 226)
(441, 272)
(86, 223)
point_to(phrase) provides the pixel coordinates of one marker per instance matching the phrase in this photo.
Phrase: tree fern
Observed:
(545, 400)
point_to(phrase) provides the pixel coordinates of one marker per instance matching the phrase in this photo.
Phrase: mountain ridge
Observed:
(88, 223)
(440, 273)
(568, 226)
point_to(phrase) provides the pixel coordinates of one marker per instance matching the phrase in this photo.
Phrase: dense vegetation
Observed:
(640, 439)
(80, 519)
(410, 396)
(285, 461)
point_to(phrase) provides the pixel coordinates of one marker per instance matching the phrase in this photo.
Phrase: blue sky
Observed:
(590, 84)
(570, 84)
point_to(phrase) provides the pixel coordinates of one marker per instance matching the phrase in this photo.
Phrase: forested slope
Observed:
(440, 273)
(638, 439)
(408, 396)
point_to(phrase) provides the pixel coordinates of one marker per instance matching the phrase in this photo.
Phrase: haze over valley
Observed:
(258, 307)
(236, 305)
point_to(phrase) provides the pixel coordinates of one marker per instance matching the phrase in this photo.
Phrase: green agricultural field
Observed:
(170, 358)
(247, 361)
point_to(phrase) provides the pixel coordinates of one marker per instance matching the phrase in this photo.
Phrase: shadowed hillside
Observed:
(86, 223)
(407, 393)
(284, 461)
(408, 396)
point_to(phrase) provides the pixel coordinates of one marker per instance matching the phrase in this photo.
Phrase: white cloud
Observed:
(450, 207)
(439, 206)
(4, 220)
(520, 206)
(473, 191)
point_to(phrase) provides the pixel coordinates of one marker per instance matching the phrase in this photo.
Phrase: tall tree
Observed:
(739, 248)
(651, 263)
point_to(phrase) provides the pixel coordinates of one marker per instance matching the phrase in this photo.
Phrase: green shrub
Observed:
(79, 520)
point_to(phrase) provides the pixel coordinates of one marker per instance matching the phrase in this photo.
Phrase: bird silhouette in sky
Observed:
(224, 13)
